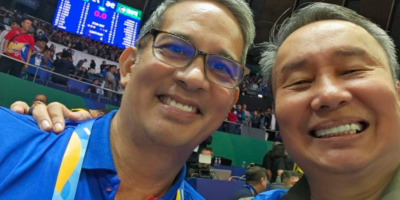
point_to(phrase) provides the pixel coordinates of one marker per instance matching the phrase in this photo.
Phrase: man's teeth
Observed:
(339, 130)
(178, 105)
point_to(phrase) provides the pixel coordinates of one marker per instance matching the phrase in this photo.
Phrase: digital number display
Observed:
(104, 20)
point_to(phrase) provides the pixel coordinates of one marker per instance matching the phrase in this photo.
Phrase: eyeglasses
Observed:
(176, 51)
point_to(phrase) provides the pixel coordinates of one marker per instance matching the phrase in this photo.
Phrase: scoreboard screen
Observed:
(107, 21)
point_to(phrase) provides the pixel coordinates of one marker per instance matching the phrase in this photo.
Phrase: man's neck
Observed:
(144, 169)
(367, 184)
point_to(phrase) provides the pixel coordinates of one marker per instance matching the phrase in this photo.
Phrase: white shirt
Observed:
(273, 122)
(2, 40)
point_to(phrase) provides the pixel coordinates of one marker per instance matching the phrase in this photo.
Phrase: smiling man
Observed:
(338, 72)
(179, 84)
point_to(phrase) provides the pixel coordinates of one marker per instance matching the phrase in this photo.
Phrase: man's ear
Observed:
(398, 89)
(235, 97)
(126, 61)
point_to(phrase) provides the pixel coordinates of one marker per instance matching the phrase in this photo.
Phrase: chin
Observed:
(346, 163)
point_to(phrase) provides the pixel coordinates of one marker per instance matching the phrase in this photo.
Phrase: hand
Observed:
(25, 67)
(52, 116)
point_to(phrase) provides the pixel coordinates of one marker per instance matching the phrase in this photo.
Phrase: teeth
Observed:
(173, 103)
(339, 130)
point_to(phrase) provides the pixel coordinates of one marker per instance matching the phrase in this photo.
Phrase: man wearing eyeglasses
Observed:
(179, 83)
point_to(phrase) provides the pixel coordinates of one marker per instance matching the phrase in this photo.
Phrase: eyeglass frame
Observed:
(156, 32)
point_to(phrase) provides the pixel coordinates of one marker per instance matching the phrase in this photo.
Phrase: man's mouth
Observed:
(178, 105)
(341, 130)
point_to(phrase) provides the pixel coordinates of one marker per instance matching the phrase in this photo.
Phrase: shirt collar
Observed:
(392, 191)
(301, 190)
(98, 154)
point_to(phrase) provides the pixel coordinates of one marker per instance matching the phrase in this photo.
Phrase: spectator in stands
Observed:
(103, 66)
(178, 130)
(268, 159)
(3, 13)
(271, 125)
(63, 66)
(256, 182)
(92, 64)
(280, 161)
(92, 89)
(40, 97)
(38, 57)
(256, 120)
(111, 81)
(232, 117)
(240, 114)
(247, 114)
(15, 41)
(82, 73)
(14, 25)
(80, 64)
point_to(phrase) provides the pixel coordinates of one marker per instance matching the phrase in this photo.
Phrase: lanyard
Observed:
(71, 164)
(250, 188)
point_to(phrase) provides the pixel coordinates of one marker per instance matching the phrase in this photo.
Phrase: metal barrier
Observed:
(61, 75)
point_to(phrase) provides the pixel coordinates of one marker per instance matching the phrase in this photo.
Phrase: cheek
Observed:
(292, 109)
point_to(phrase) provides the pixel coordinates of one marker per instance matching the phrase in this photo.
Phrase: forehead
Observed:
(329, 37)
(211, 27)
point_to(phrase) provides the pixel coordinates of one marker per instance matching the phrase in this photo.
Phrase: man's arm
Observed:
(6, 42)
(28, 58)
(51, 116)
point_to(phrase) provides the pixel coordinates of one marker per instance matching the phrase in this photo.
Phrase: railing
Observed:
(240, 129)
(35, 76)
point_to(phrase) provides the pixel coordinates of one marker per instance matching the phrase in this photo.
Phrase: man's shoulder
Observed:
(271, 194)
(26, 152)
(9, 117)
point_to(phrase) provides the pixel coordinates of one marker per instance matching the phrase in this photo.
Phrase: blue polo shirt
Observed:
(271, 194)
(30, 160)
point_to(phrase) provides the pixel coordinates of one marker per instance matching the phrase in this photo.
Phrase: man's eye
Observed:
(301, 82)
(174, 48)
(351, 71)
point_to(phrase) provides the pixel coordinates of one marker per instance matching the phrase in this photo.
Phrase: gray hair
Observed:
(239, 8)
(318, 12)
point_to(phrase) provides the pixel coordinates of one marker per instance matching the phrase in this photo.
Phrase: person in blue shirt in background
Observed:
(174, 99)
(333, 77)
(38, 57)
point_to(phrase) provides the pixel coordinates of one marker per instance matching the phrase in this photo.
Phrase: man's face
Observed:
(163, 88)
(14, 25)
(41, 44)
(239, 107)
(291, 181)
(26, 25)
(335, 77)
(96, 82)
(244, 107)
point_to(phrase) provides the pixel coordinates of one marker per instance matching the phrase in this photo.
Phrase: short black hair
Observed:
(95, 80)
(16, 21)
(255, 174)
(41, 38)
(287, 174)
(26, 18)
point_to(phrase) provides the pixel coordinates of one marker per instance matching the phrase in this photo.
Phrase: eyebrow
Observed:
(347, 52)
(344, 52)
(190, 39)
(294, 65)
